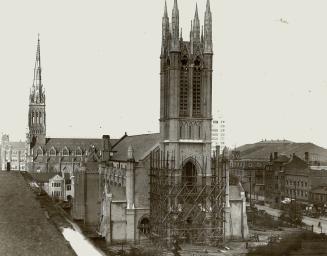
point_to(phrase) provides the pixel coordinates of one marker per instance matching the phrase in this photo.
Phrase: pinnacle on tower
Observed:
(208, 6)
(196, 26)
(165, 27)
(165, 11)
(175, 27)
(208, 29)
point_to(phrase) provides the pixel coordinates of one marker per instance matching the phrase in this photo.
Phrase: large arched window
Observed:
(166, 88)
(197, 87)
(183, 94)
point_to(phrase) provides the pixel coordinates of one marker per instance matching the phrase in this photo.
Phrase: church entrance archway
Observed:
(189, 174)
(144, 226)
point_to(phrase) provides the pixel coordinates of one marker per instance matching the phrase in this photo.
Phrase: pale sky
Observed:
(100, 63)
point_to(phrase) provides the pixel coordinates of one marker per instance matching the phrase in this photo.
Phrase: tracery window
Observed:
(197, 88)
(166, 89)
(183, 96)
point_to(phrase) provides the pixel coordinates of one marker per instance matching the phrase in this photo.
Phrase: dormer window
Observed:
(78, 152)
(39, 152)
(52, 152)
(65, 152)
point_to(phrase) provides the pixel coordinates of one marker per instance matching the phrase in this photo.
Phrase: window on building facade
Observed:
(52, 152)
(78, 152)
(65, 152)
(184, 88)
(197, 88)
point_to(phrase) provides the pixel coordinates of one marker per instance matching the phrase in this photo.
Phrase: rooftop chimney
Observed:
(106, 148)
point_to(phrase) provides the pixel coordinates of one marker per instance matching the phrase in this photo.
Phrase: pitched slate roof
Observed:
(142, 144)
(43, 177)
(72, 142)
(282, 158)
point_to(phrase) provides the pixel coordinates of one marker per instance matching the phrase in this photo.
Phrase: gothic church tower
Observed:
(186, 92)
(36, 112)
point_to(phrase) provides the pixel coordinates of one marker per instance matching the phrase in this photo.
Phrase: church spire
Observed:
(208, 29)
(37, 93)
(175, 27)
(36, 111)
(196, 26)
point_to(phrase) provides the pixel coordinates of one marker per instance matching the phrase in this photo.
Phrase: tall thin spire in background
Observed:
(37, 92)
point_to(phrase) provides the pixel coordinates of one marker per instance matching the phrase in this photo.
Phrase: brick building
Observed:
(251, 173)
(297, 179)
(274, 173)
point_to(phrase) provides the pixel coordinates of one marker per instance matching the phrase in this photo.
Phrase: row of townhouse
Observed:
(294, 178)
(282, 177)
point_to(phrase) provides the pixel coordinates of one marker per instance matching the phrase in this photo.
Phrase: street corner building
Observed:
(162, 186)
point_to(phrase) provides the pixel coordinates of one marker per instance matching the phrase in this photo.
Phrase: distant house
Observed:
(56, 185)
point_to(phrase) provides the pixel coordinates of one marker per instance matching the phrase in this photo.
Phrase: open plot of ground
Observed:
(24, 227)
